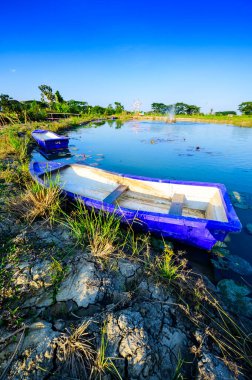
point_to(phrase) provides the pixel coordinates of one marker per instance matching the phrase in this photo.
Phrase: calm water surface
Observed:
(184, 151)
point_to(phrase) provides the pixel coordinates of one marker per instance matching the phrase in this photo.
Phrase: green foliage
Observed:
(104, 364)
(119, 108)
(179, 108)
(136, 244)
(159, 108)
(178, 370)
(19, 145)
(8, 104)
(46, 93)
(169, 267)
(245, 108)
(100, 231)
(8, 262)
(57, 272)
(58, 97)
(225, 113)
(182, 109)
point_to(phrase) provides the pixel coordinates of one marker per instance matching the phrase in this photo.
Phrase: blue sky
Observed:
(199, 52)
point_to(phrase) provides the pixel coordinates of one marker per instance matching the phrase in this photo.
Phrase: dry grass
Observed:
(75, 352)
(216, 325)
(38, 202)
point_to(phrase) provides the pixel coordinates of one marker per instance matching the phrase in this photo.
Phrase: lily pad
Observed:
(249, 228)
(236, 297)
(239, 265)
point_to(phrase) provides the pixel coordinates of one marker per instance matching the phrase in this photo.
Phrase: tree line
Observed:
(187, 109)
(53, 102)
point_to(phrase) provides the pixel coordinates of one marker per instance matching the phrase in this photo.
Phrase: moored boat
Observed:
(195, 213)
(48, 140)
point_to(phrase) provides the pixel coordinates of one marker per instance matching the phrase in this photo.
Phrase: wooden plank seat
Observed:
(115, 194)
(177, 205)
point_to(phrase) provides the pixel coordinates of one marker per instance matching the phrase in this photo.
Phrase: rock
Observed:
(236, 297)
(212, 368)
(41, 272)
(134, 347)
(129, 320)
(127, 268)
(43, 298)
(249, 228)
(59, 325)
(36, 359)
(81, 286)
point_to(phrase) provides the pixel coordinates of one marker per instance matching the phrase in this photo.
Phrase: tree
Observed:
(186, 109)
(181, 108)
(5, 102)
(8, 104)
(58, 97)
(46, 93)
(119, 108)
(225, 113)
(98, 110)
(192, 110)
(245, 108)
(109, 110)
(77, 106)
(159, 108)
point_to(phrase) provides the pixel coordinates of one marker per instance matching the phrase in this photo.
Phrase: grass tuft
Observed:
(104, 364)
(169, 267)
(99, 231)
(38, 202)
(75, 352)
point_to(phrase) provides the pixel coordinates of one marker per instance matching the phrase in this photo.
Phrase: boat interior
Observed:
(45, 136)
(204, 202)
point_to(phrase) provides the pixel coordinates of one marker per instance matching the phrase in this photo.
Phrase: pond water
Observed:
(184, 151)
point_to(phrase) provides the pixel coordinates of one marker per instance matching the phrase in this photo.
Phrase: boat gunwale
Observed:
(232, 225)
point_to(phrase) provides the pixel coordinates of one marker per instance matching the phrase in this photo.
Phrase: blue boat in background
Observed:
(195, 213)
(49, 141)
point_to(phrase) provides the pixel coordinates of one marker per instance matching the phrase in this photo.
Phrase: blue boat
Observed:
(48, 140)
(195, 213)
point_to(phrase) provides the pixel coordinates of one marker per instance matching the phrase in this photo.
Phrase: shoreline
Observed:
(238, 121)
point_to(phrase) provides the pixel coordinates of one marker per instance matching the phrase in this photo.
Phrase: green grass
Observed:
(98, 231)
(104, 364)
(169, 267)
(57, 273)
